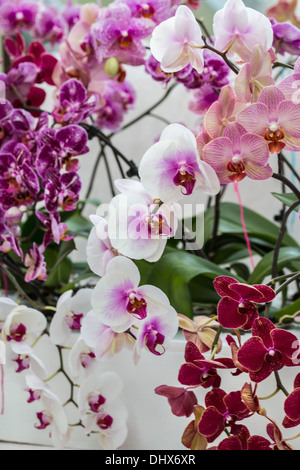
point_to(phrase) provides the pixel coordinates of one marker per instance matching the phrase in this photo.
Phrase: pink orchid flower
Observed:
(238, 29)
(238, 154)
(274, 118)
(221, 113)
(177, 41)
(237, 307)
(289, 86)
(254, 75)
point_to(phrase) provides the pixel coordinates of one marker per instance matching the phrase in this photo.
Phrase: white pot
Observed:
(151, 425)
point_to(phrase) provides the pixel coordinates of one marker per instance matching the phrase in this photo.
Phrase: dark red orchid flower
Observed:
(222, 411)
(237, 307)
(198, 371)
(292, 406)
(268, 350)
(242, 440)
(182, 401)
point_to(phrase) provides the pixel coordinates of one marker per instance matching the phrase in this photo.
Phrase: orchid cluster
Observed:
(147, 277)
(266, 351)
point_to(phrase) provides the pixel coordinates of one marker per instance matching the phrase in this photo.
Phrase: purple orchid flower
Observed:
(58, 149)
(19, 81)
(74, 104)
(17, 14)
(27, 129)
(50, 25)
(6, 127)
(62, 191)
(71, 13)
(35, 262)
(154, 10)
(117, 98)
(56, 230)
(215, 73)
(153, 68)
(286, 38)
(119, 34)
(19, 184)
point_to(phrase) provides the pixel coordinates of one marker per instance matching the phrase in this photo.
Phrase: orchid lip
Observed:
(104, 421)
(95, 402)
(17, 332)
(136, 306)
(186, 178)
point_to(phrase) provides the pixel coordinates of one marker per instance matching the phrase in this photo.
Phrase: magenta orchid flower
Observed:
(119, 301)
(177, 41)
(237, 307)
(238, 154)
(238, 29)
(274, 118)
(268, 350)
(171, 169)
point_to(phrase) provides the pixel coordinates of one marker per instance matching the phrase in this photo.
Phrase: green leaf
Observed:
(65, 249)
(173, 274)
(59, 266)
(288, 311)
(257, 225)
(286, 198)
(78, 224)
(263, 269)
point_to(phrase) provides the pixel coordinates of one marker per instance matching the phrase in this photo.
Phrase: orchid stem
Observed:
(221, 54)
(280, 237)
(271, 395)
(280, 385)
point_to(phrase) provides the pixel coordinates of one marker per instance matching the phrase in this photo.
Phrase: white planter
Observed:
(151, 425)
